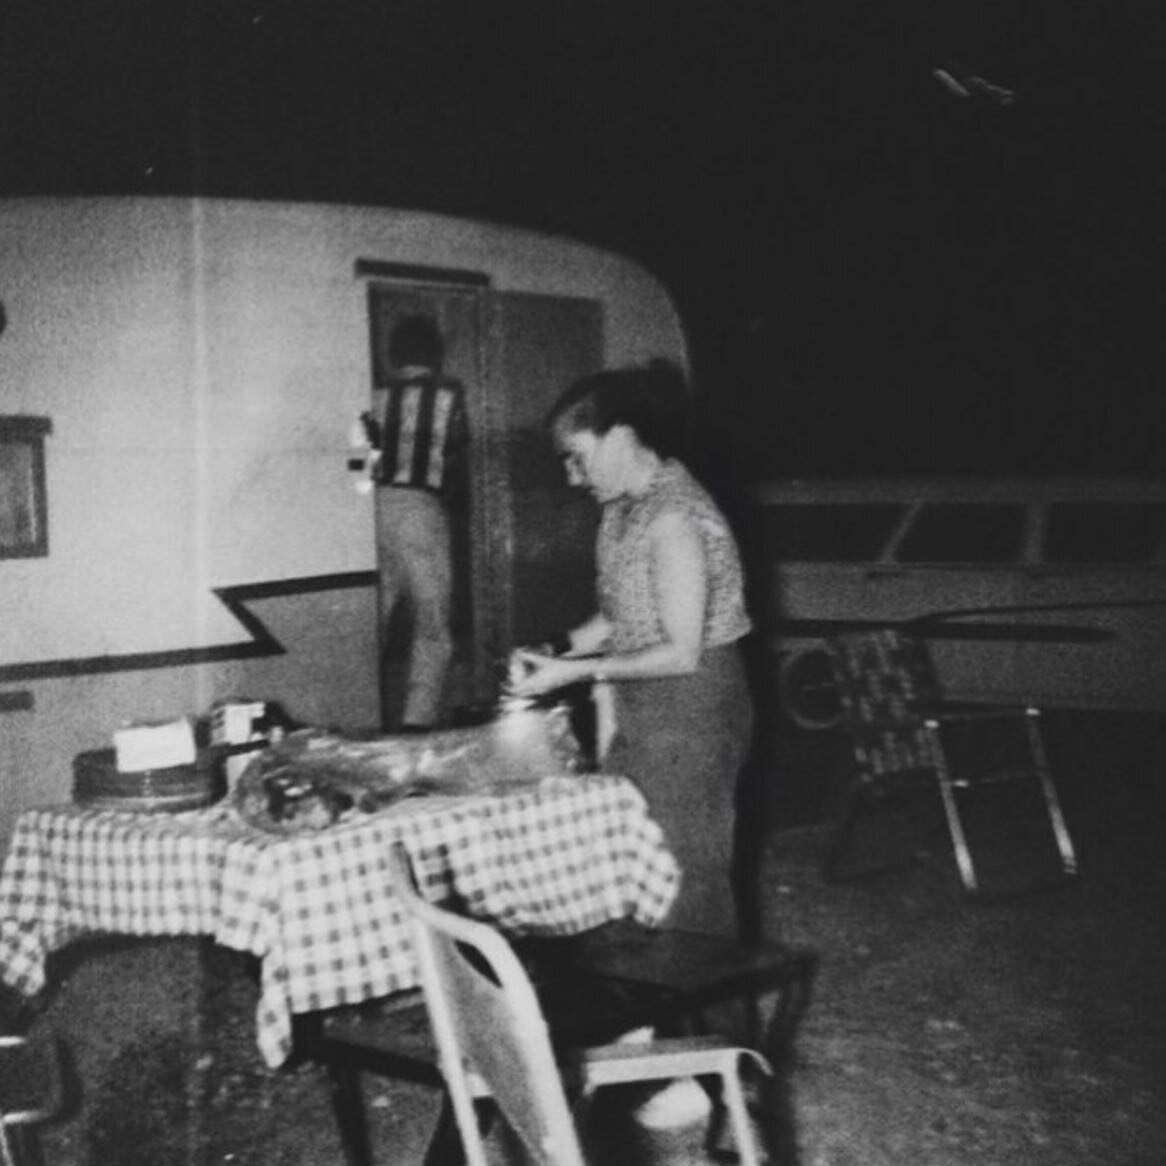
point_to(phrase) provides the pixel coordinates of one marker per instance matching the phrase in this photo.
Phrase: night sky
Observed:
(880, 274)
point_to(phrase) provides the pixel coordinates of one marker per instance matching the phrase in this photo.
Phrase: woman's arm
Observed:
(589, 638)
(681, 583)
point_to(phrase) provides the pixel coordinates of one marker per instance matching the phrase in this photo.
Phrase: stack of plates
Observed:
(99, 784)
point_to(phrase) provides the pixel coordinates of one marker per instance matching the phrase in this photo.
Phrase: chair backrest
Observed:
(491, 1036)
(885, 680)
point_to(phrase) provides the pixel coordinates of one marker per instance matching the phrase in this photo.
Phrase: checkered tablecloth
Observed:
(557, 858)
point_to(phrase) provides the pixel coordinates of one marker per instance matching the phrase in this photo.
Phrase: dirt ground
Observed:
(1031, 1029)
(944, 1031)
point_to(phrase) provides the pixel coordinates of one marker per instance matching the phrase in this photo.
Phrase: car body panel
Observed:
(1048, 592)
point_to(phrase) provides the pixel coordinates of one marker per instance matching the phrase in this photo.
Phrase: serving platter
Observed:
(314, 779)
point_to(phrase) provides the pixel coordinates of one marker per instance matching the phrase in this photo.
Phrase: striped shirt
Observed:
(423, 433)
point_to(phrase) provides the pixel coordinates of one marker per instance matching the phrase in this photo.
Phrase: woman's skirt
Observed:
(685, 740)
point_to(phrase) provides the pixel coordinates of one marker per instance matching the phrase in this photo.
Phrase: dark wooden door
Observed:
(544, 536)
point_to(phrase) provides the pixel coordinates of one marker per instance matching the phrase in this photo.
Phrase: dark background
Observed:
(878, 275)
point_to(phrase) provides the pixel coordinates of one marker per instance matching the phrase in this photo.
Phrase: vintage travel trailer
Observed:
(180, 524)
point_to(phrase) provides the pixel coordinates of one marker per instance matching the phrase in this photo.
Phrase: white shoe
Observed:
(637, 1036)
(681, 1103)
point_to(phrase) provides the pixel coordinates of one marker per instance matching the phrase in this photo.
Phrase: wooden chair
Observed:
(493, 1042)
(591, 989)
(902, 734)
(30, 1094)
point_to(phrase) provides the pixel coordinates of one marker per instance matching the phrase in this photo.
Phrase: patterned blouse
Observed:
(627, 584)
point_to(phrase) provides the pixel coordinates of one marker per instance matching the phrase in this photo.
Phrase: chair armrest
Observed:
(665, 1059)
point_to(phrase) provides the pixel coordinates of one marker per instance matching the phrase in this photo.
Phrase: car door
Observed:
(955, 573)
(1099, 598)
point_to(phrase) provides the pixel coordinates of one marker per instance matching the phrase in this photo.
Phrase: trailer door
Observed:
(540, 532)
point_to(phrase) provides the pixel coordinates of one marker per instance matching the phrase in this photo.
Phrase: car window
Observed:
(1104, 532)
(964, 532)
(841, 532)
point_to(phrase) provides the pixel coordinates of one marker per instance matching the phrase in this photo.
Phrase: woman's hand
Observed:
(533, 672)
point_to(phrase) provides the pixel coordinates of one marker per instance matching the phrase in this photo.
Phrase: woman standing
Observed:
(671, 611)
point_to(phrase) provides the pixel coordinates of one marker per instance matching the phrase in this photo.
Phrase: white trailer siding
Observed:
(201, 362)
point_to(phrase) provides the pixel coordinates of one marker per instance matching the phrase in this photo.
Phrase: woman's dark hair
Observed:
(651, 400)
(416, 340)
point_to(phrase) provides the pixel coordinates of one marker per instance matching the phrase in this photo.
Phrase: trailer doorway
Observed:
(454, 303)
(523, 542)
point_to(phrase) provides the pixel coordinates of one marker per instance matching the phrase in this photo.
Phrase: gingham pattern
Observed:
(557, 858)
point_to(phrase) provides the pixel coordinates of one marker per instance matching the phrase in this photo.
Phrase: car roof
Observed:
(825, 491)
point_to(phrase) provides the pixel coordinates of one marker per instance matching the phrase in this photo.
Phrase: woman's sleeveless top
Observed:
(627, 584)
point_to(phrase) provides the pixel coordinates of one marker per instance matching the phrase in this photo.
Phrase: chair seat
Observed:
(667, 977)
